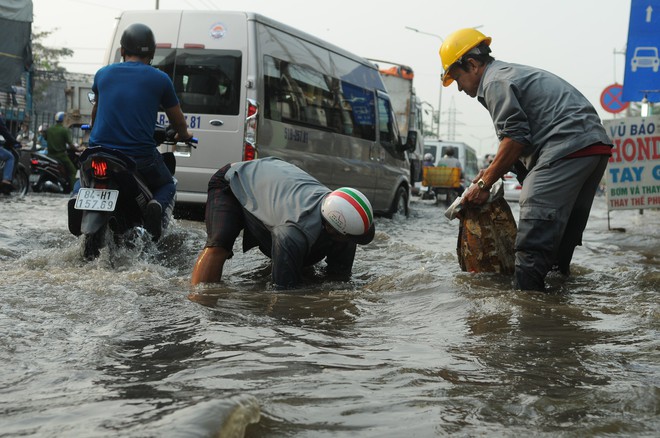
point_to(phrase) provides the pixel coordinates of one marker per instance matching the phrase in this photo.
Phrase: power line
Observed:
(81, 62)
(83, 48)
(97, 5)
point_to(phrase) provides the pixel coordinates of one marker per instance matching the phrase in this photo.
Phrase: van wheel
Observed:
(400, 203)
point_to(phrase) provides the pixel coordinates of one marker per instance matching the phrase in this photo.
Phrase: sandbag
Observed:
(486, 234)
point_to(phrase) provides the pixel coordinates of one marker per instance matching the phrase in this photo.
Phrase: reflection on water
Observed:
(411, 346)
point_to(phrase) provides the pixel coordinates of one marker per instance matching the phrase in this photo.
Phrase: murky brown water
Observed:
(411, 347)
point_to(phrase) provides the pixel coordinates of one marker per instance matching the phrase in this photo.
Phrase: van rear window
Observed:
(303, 96)
(206, 81)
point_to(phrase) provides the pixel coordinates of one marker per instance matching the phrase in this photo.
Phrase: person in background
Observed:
(449, 160)
(59, 140)
(294, 220)
(548, 127)
(429, 160)
(128, 97)
(7, 157)
(42, 142)
(25, 137)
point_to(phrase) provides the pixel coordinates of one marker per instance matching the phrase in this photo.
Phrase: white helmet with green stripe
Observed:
(349, 212)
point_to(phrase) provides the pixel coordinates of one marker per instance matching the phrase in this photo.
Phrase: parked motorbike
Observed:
(21, 172)
(49, 174)
(112, 201)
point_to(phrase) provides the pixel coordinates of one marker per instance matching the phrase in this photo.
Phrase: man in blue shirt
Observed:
(128, 98)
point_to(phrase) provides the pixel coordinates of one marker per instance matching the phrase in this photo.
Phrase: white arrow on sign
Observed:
(649, 12)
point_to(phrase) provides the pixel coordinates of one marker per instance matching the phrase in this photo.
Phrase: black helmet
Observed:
(138, 40)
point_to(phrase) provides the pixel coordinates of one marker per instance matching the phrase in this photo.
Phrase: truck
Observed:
(40, 95)
(407, 108)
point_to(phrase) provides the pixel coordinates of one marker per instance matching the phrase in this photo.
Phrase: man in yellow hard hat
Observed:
(548, 131)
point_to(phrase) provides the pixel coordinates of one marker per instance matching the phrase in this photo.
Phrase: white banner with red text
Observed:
(633, 172)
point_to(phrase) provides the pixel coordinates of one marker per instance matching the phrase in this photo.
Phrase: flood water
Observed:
(411, 347)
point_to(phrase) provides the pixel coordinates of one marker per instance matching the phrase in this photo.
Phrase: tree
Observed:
(47, 81)
(47, 58)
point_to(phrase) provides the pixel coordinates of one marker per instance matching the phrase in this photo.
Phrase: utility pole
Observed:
(451, 128)
(440, 90)
(451, 121)
(432, 114)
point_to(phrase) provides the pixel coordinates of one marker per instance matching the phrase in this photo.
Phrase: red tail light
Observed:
(251, 109)
(99, 167)
(249, 153)
(250, 142)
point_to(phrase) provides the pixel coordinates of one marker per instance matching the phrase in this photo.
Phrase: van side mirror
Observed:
(411, 141)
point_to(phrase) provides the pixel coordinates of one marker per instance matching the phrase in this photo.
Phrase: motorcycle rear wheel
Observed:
(20, 182)
(92, 243)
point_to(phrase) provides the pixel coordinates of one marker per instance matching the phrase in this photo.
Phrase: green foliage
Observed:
(47, 58)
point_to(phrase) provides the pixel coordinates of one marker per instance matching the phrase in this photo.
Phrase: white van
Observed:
(465, 154)
(253, 87)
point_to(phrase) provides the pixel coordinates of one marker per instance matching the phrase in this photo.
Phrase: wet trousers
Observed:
(158, 178)
(555, 203)
(8, 158)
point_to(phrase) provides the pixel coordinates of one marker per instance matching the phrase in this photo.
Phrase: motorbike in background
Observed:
(21, 171)
(49, 174)
(112, 202)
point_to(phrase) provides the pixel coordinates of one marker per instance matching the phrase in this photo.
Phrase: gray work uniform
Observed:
(552, 119)
(278, 207)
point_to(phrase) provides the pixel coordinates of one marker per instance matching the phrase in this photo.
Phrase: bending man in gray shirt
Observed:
(293, 219)
(551, 133)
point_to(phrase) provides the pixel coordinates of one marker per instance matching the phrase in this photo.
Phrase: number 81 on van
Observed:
(97, 199)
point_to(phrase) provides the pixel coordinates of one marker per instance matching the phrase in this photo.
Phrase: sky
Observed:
(583, 41)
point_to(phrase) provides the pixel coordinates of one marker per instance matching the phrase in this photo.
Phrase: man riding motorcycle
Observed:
(128, 96)
(6, 156)
(60, 140)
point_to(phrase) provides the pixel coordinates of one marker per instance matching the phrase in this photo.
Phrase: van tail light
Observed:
(250, 140)
(99, 168)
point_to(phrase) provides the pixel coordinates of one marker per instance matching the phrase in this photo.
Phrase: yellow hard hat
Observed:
(456, 45)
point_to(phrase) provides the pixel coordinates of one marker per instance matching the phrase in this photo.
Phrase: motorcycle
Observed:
(21, 172)
(112, 202)
(49, 174)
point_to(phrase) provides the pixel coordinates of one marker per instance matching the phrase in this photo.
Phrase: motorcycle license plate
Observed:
(97, 199)
(34, 177)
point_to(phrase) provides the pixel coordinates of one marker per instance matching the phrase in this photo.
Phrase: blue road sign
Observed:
(642, 73)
